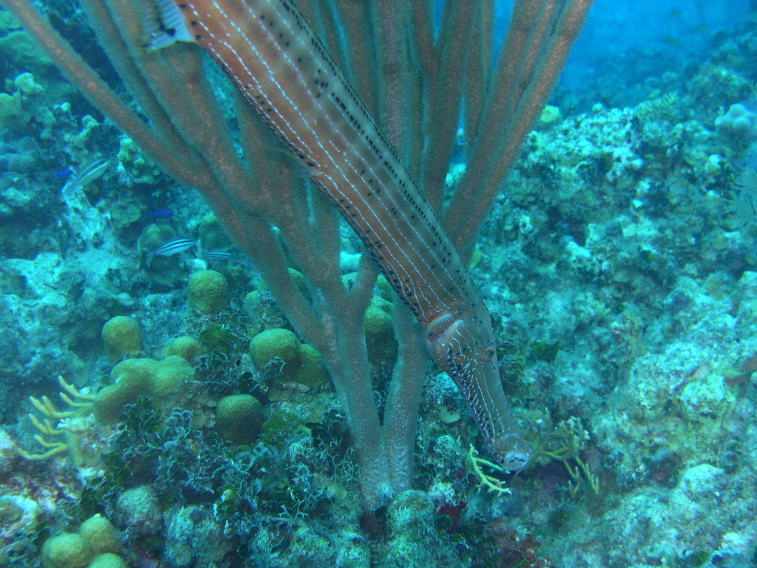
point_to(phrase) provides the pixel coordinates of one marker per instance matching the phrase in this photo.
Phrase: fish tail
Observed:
(163, 24)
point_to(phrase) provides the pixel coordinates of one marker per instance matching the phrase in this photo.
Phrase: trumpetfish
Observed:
(281, 68)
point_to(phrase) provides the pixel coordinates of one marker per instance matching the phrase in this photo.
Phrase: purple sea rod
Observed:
(274, 59)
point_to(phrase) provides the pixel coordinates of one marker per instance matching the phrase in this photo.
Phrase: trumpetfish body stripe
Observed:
(274, 59)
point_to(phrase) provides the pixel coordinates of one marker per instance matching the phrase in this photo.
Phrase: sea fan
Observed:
(743, 208)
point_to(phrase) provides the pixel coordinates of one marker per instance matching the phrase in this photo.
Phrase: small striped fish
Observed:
(273, 58)
(215, 255)
(73, 190)
(89, 172)
(172, 247)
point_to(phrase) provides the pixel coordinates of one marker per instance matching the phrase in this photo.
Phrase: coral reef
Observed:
(619, 263)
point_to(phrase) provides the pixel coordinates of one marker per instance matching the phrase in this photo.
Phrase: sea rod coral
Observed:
(414, 80)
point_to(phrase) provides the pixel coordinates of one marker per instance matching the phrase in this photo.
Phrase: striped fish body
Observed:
(216, 255)
(172, 247)
(273, 58)
(91, 171)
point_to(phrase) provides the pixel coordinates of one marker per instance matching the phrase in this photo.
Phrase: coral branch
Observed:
(491, 483)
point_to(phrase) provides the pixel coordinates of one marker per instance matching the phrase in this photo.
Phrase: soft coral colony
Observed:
(363, 175)
(286, 76)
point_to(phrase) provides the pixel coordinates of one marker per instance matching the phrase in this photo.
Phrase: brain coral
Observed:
(212, 235)
(68, 550)
(379, 333)
(97, 538)
(186, 347)
(208, 292)
(279, 346)
(121, 335)
(101, 535)
(134, 377)
(108, 560)
(312, 372)
(239, 418)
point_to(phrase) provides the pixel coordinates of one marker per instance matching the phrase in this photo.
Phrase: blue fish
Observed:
(160, 214)
(64, 173)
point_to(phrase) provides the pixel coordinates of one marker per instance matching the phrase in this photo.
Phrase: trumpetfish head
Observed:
(462, 343)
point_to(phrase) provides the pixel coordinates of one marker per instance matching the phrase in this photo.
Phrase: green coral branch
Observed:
(564, 443)
(492, 484)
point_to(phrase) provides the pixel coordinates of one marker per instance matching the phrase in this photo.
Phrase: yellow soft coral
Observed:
(48, 426)
(491, 483)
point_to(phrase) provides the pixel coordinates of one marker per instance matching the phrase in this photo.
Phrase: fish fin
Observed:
(163, 24)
